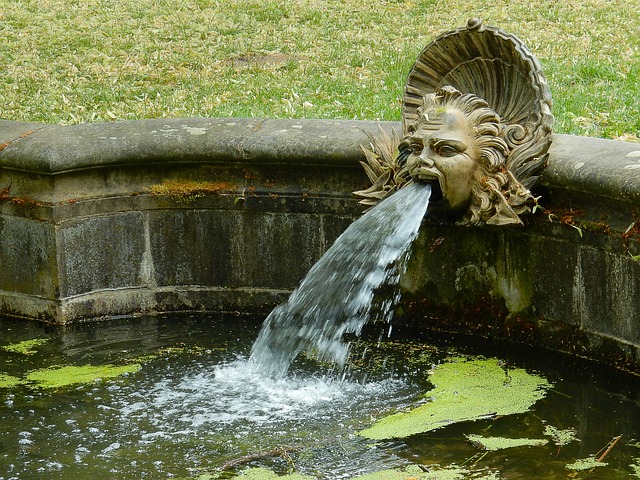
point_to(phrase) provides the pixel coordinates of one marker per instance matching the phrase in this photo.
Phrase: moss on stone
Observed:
(493, 444)
(189, 190)
(464, 390)
(56, 377)
(26, 347)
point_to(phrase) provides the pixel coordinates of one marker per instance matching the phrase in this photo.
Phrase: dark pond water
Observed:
(194, 408)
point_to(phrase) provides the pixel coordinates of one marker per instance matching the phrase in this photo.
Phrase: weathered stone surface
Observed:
(58, 149)
(602, 168)
(27, 257)
(101, 253)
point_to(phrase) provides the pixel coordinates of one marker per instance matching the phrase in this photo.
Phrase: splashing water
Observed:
(336, 295)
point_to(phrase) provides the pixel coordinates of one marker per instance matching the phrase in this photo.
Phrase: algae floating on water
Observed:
(266, 474)
(9, 381)
(560, 437)
(494, 444)
(414, 471)
(56, 377)
(586, 464)
(26, 347)
(409, 472)
(465, 390)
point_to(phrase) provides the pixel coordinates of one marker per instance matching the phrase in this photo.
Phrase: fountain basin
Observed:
(85, 236)
(189, 407)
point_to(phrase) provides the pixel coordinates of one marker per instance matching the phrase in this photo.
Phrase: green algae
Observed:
(254, 473)
(9, 381)
(412, 472)
(494, 444)
(636, 468)
(56, 377)
(61, 376)
(465, 390)
(175, 350)
(560, 437)
(266, 474)
(586, 464)
(417, 473)
(26, 347)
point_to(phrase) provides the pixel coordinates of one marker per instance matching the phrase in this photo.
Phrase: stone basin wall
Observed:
(83, 236)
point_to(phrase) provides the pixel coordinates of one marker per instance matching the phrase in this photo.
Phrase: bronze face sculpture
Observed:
(476, 124)
(455, 141)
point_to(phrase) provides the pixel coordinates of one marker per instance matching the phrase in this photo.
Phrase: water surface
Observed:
(194, 408)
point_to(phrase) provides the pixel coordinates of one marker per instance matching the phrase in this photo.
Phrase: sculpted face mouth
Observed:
(434, 177)
(427, 174)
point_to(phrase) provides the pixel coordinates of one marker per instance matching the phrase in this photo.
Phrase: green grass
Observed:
(72, 61)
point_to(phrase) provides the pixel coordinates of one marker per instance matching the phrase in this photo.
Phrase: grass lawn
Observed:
(72, 61)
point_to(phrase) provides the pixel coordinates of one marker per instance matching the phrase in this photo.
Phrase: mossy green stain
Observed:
(56, 377)
(464, 390)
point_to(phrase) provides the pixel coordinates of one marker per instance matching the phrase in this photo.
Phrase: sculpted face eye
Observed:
(416, 148)
(447, 151)
(448, 148)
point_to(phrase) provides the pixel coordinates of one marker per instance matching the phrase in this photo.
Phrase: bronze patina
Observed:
(476, 116)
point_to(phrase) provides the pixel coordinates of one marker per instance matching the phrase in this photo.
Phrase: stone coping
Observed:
(592, 166)
(595, 166)
(47, 149)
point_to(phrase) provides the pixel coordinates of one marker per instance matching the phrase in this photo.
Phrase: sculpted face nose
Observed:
(425, 158)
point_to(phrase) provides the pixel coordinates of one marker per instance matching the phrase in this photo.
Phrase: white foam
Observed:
(238, 394)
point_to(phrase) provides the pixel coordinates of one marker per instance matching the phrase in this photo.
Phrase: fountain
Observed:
(480, 154)
(336, 296)
(117, 221)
